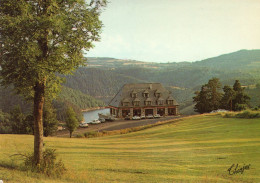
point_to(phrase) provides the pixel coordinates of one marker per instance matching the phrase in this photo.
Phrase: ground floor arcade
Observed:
(162, 111)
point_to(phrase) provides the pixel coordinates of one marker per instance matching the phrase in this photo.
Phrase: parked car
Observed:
(83, 125)
(219, 110)
(157, 116)
(143, 117)
(136, 118)
(149, 116)
(127, 117)
(102, 120)
(60, 128)
(95, 121)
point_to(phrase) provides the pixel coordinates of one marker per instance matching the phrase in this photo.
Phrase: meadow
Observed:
(197, 149)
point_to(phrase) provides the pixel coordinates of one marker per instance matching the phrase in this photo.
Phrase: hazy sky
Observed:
(177, 30)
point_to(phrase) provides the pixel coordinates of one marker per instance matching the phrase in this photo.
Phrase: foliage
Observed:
(248, 114)
(258, 85)
(29, 122)
(241, 99)
(254, 94)
(40, 39)
(50, 122)
(208, 99)
(71, 121)
(49, 165)
(75, 99)
(5, 126)
(17, 119)
(228, 97)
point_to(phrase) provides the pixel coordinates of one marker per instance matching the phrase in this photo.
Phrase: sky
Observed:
(177, 30)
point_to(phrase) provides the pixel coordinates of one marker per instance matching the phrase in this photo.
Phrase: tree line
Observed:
(212, 97)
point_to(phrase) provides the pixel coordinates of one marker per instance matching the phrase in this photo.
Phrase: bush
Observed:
(244, 114)
(91, 134)
(80, 136)
(49, 166)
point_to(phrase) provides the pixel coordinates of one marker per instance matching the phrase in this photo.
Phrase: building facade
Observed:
(142, 99)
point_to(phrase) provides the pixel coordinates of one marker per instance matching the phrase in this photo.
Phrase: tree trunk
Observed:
(70, 134)
(38, 122)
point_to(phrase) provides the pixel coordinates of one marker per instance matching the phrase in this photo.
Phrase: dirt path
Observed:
(115, 125)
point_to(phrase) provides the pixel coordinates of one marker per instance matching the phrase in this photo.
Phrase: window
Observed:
(134, 95)
(148, 103)
(136, 103)
(160, 102)
(146, 94)
(170, 102)
(125, 103)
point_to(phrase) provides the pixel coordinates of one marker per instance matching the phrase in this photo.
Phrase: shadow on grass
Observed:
(9, 165)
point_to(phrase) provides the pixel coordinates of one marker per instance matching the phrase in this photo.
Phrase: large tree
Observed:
(228, 97)
(208, 99)
(241, 99)
(71, 120)
(39, 39)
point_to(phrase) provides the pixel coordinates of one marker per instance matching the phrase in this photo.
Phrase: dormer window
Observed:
(148, 102)
(146, 94)
(170, 101)
(134, 94)
(160, 101)
(125, 102)
(157, 93)
(136, 102)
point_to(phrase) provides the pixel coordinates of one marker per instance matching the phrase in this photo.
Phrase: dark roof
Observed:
(125, 92)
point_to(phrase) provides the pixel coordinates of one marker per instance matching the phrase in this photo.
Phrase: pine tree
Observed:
(227, 99)
(241, 99)
(208, 99)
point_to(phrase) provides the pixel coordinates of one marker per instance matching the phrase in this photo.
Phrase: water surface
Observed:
(91, 115)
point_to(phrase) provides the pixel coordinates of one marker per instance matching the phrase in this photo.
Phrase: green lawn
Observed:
(198, 149)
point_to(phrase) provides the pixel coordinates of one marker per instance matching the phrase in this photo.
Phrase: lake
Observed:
(91, 115)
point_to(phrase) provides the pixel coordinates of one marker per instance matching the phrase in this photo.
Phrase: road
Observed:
(115, 125)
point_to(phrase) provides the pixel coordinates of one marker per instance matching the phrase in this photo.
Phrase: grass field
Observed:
(197, 149)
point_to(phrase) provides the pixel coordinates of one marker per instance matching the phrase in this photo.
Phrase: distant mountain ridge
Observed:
(243, 59)
(103, 77)
(250, 58)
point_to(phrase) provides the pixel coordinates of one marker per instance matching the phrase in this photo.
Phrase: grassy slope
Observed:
(198, 149)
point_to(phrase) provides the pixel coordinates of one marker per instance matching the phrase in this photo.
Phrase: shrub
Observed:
(80, 136)
(244, 114)
(49, 166)
(91, 134)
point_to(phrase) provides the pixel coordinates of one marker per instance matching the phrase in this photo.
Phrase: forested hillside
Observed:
(68, 96)
(103, 77)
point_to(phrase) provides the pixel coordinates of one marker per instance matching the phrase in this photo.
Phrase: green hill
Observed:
(243, 59)
(195, 149)
(254, 93)
(103, 77)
